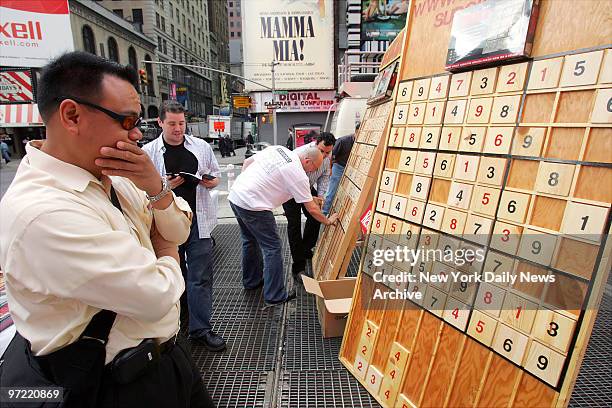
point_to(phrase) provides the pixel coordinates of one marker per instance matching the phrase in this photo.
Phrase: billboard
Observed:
(297, 34)
(16, 86)
(292, 101)
(382, 19)
(33, 32)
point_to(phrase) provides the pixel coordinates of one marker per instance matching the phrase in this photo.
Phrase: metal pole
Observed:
(274, 105)
(207, 69)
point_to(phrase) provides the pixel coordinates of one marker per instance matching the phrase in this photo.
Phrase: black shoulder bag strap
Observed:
(100, 325)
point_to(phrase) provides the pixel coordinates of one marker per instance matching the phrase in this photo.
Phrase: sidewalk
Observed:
(7, 174)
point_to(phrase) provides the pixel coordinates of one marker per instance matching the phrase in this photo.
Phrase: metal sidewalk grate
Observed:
(594, 383)
(230, 304)
(328, 388)
(251, 345)
(304, 346)
(239, 389)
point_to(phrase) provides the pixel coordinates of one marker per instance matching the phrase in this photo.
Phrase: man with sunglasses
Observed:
(174, 152)
(301, 245)
(89, 247)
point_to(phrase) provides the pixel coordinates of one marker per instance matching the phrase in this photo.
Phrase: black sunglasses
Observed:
(127, 122)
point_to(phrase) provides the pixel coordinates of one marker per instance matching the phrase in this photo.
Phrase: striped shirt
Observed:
(319, 178)
(206, 205)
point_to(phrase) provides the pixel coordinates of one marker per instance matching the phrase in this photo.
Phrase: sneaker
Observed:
(211, 340)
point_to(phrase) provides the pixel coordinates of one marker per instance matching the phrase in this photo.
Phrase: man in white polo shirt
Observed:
(269, 179)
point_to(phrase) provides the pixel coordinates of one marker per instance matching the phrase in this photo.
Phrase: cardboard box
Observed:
(334, 299)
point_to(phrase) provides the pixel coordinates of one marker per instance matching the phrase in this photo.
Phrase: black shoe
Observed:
(211, 340)
(290, 296)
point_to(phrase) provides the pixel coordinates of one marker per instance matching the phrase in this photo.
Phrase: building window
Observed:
(118, 12)
(174, 52)
(113, 51)
(163, 24)
(231, 4)
(89, 42)
(232, 34)
(157, 21)
(172, 30)
(238, 13)
(165, 47)
(239, 34)
(137, 15)
(149, 68)
(132, 59)
(231, 14)
(231, 23)
(159, 44)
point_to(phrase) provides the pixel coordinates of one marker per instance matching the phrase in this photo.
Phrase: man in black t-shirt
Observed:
(340, 155)
(174, 152)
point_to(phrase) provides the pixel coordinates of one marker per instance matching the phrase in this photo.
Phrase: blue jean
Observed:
(261, 253)
(197, 266)
(334, 182)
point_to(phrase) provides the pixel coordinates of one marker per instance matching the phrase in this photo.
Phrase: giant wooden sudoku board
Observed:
(514, 160)
(354, 192)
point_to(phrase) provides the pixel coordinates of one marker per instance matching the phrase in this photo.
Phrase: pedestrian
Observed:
(250, 140)
(302, 245)
(269, 178)
(6, 154)
(174, 152)
(89, 248)
(340, 155)
(222, 144)
(229, 143)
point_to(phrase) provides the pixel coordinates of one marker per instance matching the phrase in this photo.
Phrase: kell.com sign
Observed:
(33, 32)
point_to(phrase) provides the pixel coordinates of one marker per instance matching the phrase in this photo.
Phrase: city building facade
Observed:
(180, 29)
(220, 53)
(99, 31)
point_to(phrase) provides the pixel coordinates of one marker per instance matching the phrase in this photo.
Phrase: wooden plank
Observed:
(390, 323)
(363, 292)
(443, 367)
(574, 35)
(534, 393)
(499, 384)
(421, 356)
(464, 390)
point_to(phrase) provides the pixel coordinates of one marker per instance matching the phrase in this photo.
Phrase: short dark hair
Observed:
(77, 74)
(170, 106)
(327, 138)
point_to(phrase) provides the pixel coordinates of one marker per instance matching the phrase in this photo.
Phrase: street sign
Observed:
(274, 105)
(242, 102)
(281, 92)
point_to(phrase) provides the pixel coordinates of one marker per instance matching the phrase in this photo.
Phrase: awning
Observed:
(23, 115)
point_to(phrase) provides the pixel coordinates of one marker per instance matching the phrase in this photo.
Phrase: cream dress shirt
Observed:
(67, 253)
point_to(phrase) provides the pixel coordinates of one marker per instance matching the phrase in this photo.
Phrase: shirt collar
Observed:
(161, 146)
(71, 176)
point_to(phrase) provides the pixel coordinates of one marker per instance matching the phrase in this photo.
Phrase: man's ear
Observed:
(159, 122)
(70, 115)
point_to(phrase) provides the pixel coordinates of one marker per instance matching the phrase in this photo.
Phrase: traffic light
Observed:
(143, 77)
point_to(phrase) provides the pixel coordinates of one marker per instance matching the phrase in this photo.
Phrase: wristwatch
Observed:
(165, 190)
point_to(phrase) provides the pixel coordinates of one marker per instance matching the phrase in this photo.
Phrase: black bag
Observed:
(77, 368)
